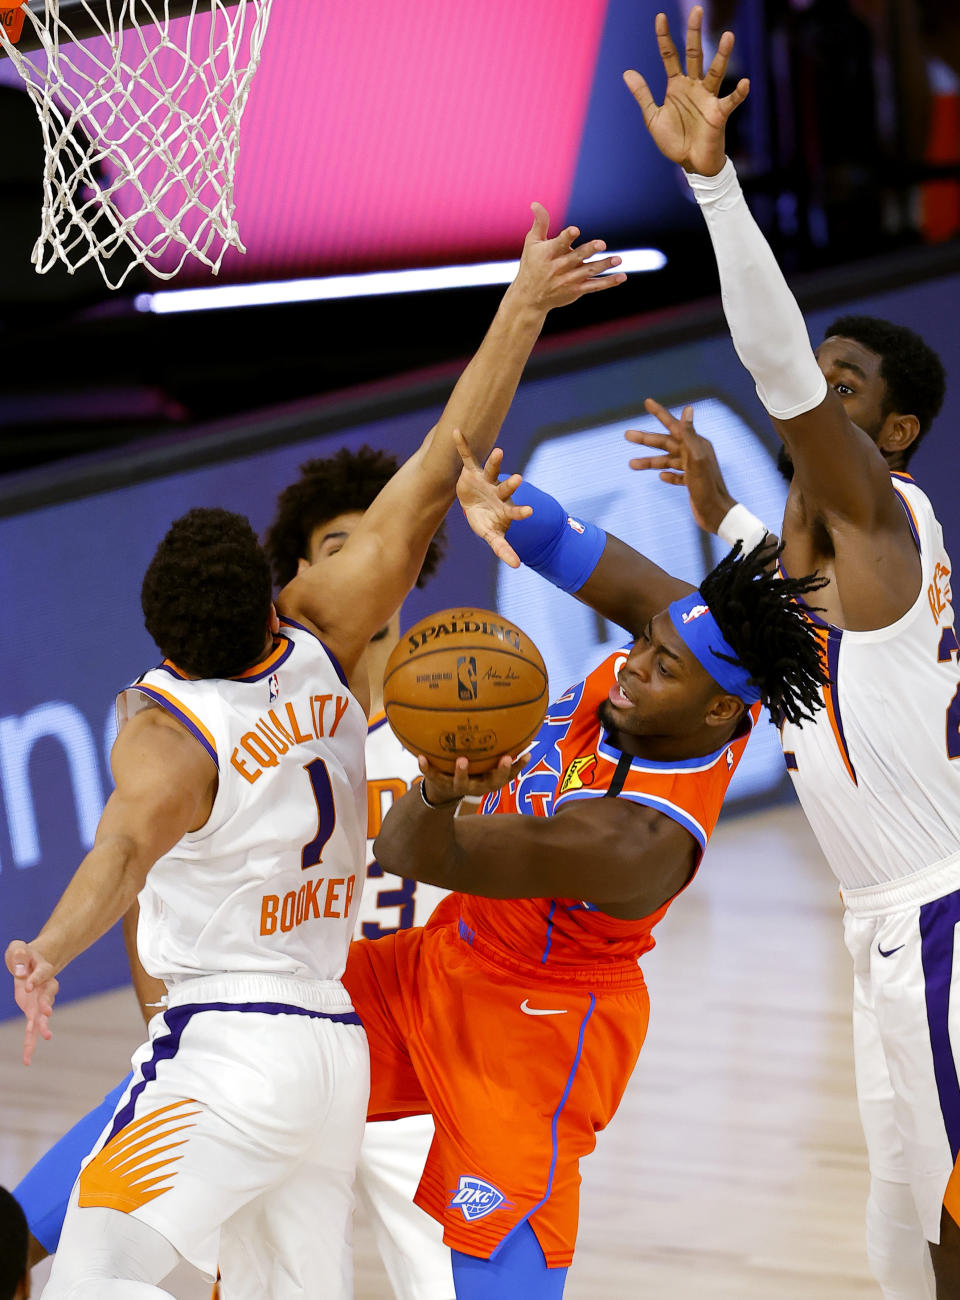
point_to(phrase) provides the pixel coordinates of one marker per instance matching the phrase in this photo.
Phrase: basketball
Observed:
(465, 682)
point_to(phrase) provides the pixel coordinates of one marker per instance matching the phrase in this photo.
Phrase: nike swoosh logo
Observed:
(537, 1011)
(883, 953)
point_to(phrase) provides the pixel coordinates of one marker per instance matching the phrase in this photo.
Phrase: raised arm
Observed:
(840, 472)
(355, 592)
(647, 857)
(165, 784)
(521, 524)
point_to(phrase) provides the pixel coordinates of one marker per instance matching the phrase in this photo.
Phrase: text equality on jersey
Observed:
(271, 737)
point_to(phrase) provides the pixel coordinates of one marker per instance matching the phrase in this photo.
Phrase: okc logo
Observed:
(697, 610)
(476, 1197)
(467, 677)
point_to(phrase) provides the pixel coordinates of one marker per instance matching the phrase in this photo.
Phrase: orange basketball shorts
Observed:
(519, 1070)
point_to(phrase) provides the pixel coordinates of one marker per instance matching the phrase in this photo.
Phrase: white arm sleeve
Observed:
(766, 326)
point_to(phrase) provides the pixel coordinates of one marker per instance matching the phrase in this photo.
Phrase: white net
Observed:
(141, 129)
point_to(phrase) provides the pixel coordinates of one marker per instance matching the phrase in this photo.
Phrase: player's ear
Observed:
(898, 432)
(273, 623)
(302, 566)
(723, 710)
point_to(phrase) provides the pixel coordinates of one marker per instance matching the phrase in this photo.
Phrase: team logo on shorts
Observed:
(476, 1197)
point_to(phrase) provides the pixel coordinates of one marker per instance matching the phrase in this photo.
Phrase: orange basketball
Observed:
(465, 681)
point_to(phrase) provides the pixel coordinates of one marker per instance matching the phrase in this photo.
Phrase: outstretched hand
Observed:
(553, 273)
(35, 989)
(486, 502)
(690, 125)
(688, 461)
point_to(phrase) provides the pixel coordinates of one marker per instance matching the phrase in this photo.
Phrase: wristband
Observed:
(739, 525)
(434, 807)
(560, 548)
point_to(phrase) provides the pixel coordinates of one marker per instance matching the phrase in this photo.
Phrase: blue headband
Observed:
(700, 633)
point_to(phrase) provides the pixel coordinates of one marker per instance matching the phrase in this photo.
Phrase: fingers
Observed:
(17, 958)
(668, 51)
(694, 45)
(503, 550)
(671, 476)
(541, 222)
(718, 68)
(656, 462)
(669, 422)
(466, 455)
(597, 283)
(509, 485)
(647, 438)
(641, 92)
(736, 97)
(491, 467)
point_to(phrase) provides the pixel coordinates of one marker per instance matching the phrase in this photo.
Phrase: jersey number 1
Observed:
(950, 646)
(312, 853)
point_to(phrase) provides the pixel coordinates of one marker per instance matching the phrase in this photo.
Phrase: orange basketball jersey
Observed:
(573, 758)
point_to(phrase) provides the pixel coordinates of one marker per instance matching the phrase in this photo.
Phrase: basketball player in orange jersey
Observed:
(878, 771)
(516, 1014)
(239, 818)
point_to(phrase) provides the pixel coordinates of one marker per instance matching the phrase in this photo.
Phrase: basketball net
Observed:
(141, 129)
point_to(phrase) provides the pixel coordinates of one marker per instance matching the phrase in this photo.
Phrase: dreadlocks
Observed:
(761, 615)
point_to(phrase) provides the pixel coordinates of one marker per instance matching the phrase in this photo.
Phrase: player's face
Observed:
(328, 538)
(662, 688)
(853, 372)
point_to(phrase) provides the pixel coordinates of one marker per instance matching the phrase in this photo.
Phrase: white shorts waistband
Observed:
(922, 887)
(250, 986)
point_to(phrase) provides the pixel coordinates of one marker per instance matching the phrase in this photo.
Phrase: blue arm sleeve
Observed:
(560, 548)
(44, 1192)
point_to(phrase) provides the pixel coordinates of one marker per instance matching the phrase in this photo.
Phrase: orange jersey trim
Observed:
(182, 714)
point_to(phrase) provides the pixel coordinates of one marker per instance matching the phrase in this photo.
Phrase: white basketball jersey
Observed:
(878, 771)
(272, 882)
(389, 902)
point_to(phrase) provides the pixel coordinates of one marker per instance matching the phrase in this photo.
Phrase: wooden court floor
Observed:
(735, 1168)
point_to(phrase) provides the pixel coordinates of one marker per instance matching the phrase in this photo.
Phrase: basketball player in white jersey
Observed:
(239, 818)
(878, 770)
(314, 517)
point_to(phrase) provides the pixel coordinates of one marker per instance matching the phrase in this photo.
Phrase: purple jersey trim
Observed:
(938, 922)
(166, 1046)
(329, 653)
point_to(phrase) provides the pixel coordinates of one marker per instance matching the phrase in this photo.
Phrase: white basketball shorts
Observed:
(906, 1029)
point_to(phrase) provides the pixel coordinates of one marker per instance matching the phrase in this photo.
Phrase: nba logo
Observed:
(467, 677)
(274, 685)
(476, 1197)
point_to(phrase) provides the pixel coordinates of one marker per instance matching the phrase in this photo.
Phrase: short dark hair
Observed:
(913, 374)
(330, 486)
(14, 1245)
(759, 614)
(206, 594)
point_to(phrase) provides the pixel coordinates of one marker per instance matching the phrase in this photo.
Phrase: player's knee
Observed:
(897, 1250)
